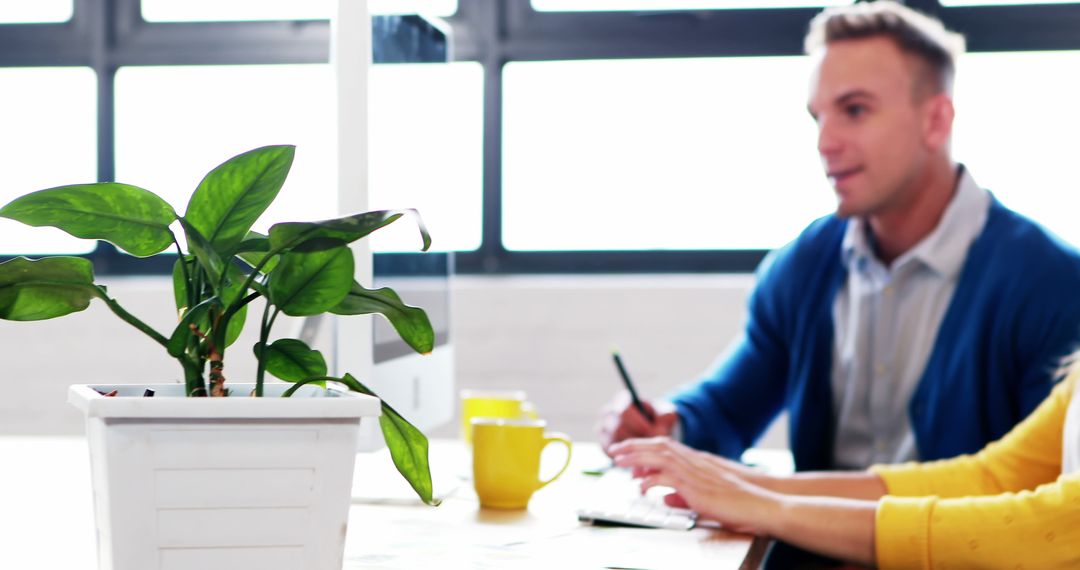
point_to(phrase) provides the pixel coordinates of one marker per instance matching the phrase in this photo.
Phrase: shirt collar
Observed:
(944, 249)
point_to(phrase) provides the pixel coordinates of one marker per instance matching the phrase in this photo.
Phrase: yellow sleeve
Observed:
(1025, 458)
(1029, 529)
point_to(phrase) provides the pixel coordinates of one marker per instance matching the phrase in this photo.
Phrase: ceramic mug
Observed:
(507, 404)
(506, 460)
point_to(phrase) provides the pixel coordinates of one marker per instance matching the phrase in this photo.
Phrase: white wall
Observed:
(549, 335)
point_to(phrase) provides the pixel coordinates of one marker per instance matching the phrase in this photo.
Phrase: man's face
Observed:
(870, 128)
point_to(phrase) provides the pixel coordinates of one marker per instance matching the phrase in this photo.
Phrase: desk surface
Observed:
(46, 521)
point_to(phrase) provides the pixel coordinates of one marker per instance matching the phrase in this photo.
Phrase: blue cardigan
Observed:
(1015, 313)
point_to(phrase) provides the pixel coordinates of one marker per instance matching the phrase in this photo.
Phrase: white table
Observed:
(46, 521)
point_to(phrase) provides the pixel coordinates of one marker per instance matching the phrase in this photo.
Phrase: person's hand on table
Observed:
(714, 487)
(621, 420)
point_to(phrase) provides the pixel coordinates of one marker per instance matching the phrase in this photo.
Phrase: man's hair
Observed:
(916, 34)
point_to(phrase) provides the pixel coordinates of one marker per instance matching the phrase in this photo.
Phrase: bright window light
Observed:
(425, 151)
(427, 144)
(49, 119)
(1018, 129)
(659, 154)
(259, 10)
(667, 5)
(35, 11)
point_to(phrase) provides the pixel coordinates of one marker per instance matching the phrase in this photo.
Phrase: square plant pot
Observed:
(221, 483)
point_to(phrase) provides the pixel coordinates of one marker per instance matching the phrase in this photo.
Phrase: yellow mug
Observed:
(508, 404)
(506, 460)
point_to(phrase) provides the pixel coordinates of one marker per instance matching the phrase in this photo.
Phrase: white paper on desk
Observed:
(421, 541)
(639, 549)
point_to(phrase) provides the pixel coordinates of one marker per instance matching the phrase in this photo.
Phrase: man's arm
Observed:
(737, 399)
(745, 389)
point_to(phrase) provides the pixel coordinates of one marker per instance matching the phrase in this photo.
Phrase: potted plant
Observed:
(232, 475)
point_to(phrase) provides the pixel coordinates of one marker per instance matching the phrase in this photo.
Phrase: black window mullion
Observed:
(98, 14)
(613, 35)
(1017, 28)
(483, 20)
(47, 45)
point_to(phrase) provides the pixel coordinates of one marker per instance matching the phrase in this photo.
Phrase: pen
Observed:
(630, 387)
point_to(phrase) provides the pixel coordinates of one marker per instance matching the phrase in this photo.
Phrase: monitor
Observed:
(420, 387)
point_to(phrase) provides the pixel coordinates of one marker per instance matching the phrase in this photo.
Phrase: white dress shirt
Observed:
(886, 320)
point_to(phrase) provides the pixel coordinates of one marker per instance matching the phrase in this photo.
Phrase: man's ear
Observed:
(938, 114)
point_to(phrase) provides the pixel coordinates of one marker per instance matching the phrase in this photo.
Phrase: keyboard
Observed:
(617, 500)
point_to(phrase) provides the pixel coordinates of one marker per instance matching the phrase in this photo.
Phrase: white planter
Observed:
(221, 483)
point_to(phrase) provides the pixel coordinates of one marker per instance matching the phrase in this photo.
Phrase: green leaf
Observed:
(407, 444)
(292, 360)
(197, 315)
(235, 326)
(232, 292)
(253, 251)
(45, 289)
(233, 196)
(315, 236)
(180, 285)
(411, 323)
(131, 218)
(211, 263)
(311, 283)
(254, 242)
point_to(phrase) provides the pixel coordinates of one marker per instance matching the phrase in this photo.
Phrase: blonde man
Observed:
(920, 321)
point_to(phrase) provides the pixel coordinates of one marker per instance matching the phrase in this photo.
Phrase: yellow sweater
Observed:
(1007, 506)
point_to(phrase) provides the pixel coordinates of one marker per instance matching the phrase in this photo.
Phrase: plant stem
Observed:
(193, 380)
(192, 371)
(264, 335)
(348, 380)
(255, 270)
(187, 276)
(296, 385)
(129, 318)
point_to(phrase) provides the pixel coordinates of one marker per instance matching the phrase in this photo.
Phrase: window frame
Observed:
(107, 34)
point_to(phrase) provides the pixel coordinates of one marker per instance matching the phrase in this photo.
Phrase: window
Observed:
(171, 130)
(426, 152)
(254, 10)
(659, 154)
(50, 127)
(569, 135)
(35, 11)
(1021, 137)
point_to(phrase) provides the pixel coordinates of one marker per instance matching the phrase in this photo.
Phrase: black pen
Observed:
(630, 387)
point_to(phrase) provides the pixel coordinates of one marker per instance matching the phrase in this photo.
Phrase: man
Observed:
(920, 321)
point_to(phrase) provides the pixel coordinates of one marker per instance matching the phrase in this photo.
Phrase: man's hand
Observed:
(621, 420)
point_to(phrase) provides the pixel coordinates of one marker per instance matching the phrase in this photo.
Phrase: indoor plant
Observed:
(299, 268)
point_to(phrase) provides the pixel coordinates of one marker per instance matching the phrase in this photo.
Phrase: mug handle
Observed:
(562, 438)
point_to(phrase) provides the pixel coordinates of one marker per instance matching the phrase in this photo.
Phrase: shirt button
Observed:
(880, 369)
